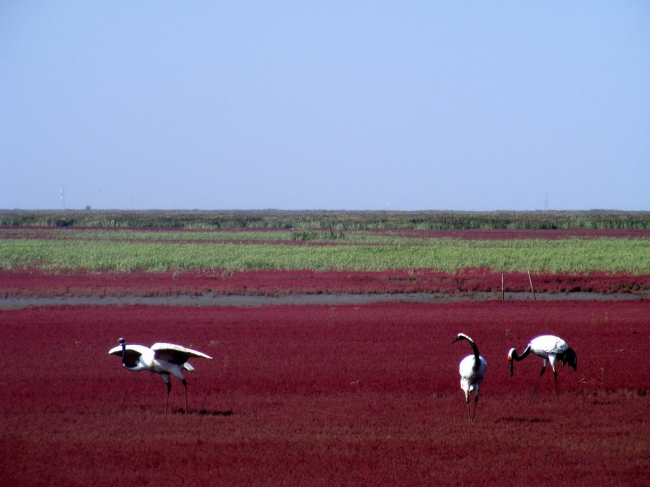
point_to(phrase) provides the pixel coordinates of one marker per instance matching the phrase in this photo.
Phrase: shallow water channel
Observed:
(303, 299)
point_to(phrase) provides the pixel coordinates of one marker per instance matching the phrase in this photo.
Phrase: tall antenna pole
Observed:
(63, 197)
(546, 201)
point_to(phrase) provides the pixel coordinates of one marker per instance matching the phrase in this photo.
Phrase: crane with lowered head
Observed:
(550, 349)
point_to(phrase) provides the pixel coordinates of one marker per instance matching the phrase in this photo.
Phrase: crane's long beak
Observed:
(456, 339)
(512, 366)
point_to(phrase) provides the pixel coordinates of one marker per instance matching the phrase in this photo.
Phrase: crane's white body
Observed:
(165, 359)
(472, 370)
(548, 347)
(470, 376)
(162, 358)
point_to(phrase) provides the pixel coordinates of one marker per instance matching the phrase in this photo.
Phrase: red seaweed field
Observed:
(325, 395)
(39, 283)
(512, 234)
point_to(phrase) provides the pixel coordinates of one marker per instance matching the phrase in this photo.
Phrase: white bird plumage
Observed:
(162, 358)
(472, 371)
(551, 349)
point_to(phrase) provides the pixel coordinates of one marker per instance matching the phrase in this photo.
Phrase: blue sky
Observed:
(325, 105)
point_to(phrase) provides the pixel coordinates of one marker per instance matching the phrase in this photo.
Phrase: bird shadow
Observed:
(510, 419)
(204, 412)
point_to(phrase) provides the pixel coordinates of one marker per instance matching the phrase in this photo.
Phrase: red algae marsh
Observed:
(333, 362)
(322, 394)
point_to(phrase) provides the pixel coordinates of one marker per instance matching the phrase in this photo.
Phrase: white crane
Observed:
(472, 370)
(551, 349)
(162, 358)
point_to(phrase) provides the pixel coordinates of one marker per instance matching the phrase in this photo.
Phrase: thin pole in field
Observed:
(531, 286)
(502, 294)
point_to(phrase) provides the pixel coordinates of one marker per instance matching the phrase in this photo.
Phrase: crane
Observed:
(162, 358)
(551, 349)
(472, 370)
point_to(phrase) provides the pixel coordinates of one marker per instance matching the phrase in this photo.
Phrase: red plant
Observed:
(34, 283)
(517, 234)
(322, 395)
(44, 232)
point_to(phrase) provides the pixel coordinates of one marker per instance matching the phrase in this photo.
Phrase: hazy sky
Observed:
(346, 105)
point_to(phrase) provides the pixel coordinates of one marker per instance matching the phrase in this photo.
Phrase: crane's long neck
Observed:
(517, 357)
(124, 354)
(513, 355)
(477, 357)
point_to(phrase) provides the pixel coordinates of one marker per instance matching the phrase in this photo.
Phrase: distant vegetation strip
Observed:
(387, 237)
(335, 220)
(448, 255)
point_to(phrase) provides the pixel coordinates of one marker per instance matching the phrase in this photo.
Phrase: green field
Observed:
(324, 240)
(567, 255)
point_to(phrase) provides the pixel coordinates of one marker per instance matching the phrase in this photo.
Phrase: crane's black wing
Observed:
(131, 354)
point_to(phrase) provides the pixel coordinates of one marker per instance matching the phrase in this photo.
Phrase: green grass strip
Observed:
(572, 255)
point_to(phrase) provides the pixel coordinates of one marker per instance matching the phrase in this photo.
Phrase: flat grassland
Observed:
(70, 261)
(322, 251)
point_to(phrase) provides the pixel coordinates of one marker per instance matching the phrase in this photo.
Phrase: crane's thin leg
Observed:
(469, 416)
(185, 384)
(475, 404)
(557, 394)
(538, 379)
(169, 388)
